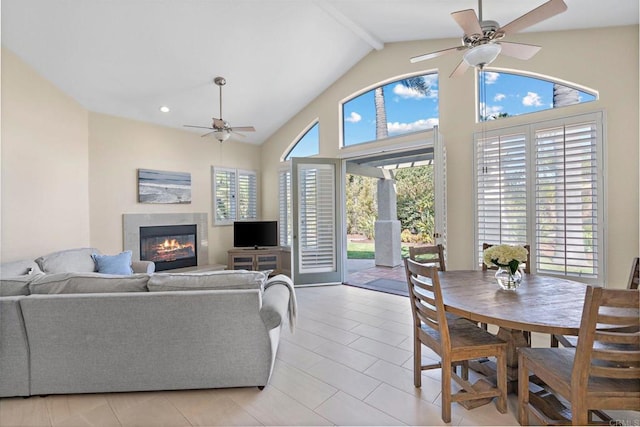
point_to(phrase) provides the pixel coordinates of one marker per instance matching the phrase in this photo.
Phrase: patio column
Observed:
(387, 226)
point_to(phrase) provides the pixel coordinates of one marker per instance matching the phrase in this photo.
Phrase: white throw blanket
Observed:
(281, 279)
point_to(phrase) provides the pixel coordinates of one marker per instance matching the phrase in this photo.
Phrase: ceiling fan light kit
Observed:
(482, 55)
(221, 135)
(482, 40)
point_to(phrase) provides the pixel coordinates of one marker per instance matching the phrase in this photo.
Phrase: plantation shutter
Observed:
(501, 170)
(317, 220)
(224, 190)
(284, 196)
(566, 199)
(247, 196)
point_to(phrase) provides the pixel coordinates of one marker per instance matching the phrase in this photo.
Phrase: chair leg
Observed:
(501, 372)
(446, 390)
(417, 362)
(523, 391)
(464, 370)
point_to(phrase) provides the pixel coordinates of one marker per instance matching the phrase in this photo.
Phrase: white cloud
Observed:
(532, 100)
(499, 97)
(490, 77)
(353, 117)
(407, 93)
(492, 110)
(418, 125)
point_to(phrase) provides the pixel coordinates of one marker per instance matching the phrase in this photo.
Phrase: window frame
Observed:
(529, 130)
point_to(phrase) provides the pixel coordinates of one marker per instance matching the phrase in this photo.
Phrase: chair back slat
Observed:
(426, 299)
(617, 338)
(616, 373)
(432, 255)
(624, 354)
(634, 277)
(610, 354)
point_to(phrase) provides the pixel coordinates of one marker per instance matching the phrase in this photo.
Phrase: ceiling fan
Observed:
(220, 129)
(482, 40)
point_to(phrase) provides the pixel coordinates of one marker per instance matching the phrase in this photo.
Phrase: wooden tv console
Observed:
(277, 259)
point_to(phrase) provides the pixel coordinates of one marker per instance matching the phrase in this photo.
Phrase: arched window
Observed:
(503, 94)
(400, 107)
(308, 144)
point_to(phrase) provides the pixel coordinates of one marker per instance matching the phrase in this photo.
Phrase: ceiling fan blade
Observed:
(199, 127)
(539, 14)
(243, 128)
(435, 54)
(460, 69)
(519, 50)
(468, 21)
(207, 134)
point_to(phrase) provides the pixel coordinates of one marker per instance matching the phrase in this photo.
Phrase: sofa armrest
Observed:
(275, 303)
(143, 266)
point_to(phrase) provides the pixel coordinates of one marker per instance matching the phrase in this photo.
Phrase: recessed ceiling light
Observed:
(165, 109)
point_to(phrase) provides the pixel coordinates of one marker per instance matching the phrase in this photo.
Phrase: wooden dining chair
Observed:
(429, 254)
(455, 340)
(527, 264)
(634, 278)
(602, 372)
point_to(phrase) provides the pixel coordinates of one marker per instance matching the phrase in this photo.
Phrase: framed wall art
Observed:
(164, 187)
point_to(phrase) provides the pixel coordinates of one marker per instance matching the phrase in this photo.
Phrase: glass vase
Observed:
(508, 280)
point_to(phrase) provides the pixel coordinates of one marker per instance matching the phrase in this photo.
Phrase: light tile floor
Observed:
(348, 363)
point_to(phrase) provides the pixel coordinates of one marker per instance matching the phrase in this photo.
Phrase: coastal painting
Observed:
(163, 186)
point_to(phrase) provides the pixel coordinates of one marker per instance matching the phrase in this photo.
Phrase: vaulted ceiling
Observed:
(129, 57)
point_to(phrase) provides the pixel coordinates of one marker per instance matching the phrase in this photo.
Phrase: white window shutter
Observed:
(566, 199)
(285, 212)
(224, 190)
(247, 196)
(501, 190)
(317, 218)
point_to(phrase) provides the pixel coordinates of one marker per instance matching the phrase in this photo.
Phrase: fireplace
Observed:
(169, 246)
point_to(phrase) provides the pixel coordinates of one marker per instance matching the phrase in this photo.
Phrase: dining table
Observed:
(544, 304)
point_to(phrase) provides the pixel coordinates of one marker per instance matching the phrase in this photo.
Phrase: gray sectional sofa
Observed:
(84, 332)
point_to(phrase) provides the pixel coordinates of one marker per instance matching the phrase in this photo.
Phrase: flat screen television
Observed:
(255, 234)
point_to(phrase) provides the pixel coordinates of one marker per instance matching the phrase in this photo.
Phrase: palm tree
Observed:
(564, 95)
(415, 83)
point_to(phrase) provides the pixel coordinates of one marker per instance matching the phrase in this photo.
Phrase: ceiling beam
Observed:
(349, 24)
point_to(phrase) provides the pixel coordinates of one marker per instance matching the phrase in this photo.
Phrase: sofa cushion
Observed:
(226, 279)
(113, 264)
(19, 268)
(80, 283)
(69, 261)
(17, 285)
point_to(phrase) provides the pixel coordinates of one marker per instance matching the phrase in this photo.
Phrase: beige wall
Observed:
(118, 147)
(45, 165)
(68, 175)
(602, 59)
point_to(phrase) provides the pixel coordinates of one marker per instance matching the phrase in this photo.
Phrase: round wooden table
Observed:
(541, 304)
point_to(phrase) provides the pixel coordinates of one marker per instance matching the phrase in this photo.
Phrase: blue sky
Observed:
(516, 94)
(411, 111)
(407, 111)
